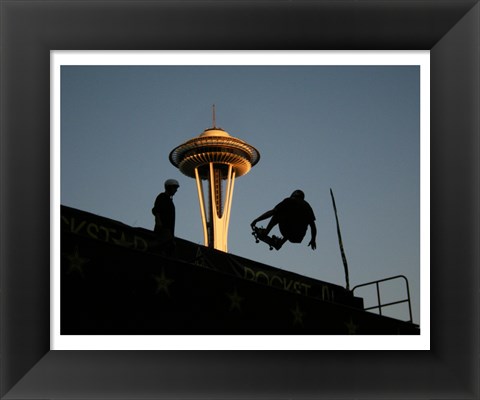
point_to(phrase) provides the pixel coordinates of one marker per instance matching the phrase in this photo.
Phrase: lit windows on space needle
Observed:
(218, 158)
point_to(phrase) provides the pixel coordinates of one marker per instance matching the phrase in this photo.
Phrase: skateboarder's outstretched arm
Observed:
(265, 215)
(271, 224)
(313, 231)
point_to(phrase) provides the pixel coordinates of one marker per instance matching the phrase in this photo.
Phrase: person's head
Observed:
(171, 186)
(298, 194)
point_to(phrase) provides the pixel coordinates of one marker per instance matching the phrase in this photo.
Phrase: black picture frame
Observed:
(29, 30)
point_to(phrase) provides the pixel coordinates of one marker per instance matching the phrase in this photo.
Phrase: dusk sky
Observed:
(355, 129)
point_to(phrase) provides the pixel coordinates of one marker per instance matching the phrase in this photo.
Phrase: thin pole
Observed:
(213, 116)
(342, 252)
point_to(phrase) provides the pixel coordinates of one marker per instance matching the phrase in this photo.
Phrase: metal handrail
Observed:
(380, 305)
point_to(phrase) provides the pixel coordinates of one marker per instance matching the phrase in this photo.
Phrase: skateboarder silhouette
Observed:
(293, 216)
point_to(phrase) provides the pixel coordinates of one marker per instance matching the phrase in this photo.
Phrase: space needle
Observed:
(218, 158)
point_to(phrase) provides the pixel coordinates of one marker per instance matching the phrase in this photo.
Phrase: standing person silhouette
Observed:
(293, 216)
(164, 212)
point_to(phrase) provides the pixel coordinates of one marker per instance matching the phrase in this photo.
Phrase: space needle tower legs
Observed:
(216, 219)
(218, 158)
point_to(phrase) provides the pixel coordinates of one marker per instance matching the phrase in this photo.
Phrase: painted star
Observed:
(297, 315)
(76, 262)
(162, 283)
(235, 300)
(352, 328)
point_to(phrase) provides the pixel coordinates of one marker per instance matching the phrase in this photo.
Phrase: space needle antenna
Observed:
(213, 116)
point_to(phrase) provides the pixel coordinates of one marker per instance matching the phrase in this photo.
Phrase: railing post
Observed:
(378, 297)
(408, 296)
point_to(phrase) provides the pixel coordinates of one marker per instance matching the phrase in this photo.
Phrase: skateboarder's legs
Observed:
(275, 241)
(273, 221)
(281, 243)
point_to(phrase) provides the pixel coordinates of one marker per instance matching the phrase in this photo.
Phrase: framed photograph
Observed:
(319, 118)
(34, 365)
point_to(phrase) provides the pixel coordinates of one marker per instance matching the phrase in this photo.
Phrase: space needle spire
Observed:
(217, 158)
(214, 123)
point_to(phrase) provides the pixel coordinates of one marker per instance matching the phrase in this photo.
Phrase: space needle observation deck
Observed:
(218, 158)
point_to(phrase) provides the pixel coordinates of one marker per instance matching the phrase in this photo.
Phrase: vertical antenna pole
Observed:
(213, 116)
(342, 252)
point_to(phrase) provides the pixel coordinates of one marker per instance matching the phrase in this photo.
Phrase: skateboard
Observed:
(273, 242)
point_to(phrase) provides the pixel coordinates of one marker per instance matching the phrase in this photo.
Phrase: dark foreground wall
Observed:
(115, 279)
(30, 370)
